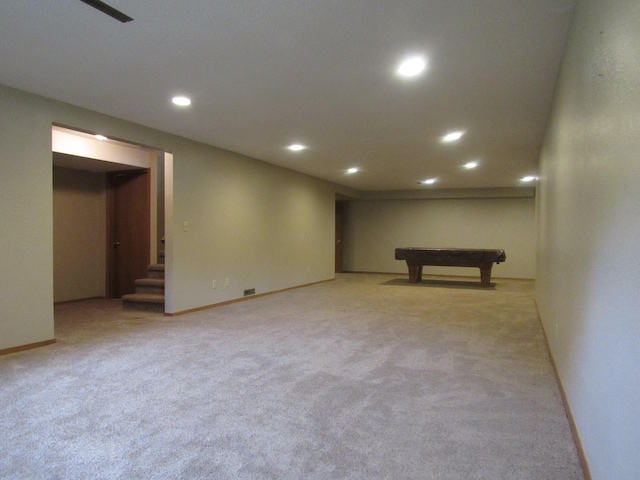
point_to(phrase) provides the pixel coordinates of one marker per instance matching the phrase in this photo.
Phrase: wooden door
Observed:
(128, 229)
(339, 220)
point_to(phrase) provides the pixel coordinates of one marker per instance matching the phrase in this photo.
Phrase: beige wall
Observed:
(374, 228)
(26, 223)
(588, 276)
(79, 236)
(261, 226)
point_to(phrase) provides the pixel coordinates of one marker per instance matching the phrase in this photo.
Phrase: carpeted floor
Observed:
(367, 377)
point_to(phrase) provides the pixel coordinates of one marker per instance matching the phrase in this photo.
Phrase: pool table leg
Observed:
(485, 275)
(415, 272)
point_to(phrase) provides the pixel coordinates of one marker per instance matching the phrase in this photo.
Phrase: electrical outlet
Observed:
(227, 282)
(214, 284)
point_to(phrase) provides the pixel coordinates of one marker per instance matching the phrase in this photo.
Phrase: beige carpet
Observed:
(367, 377)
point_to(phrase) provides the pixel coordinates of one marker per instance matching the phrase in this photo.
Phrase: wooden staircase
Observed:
(149, 294)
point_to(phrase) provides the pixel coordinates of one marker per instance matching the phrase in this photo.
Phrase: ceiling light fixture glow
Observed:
(181, 101)
(296, 147)
(452, 136)
(352, 170)
(411, 67)
(529, 178)
(470, 165)
(429, 181)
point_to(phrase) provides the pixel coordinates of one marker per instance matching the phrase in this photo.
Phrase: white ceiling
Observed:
(264, 74)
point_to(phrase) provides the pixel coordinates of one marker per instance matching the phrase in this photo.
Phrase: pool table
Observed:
(450, 257)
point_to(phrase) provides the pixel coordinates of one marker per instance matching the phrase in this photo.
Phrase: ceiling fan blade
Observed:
(108, 9)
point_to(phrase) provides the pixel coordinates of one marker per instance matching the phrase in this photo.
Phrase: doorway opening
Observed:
(101, 189)
(339, 236)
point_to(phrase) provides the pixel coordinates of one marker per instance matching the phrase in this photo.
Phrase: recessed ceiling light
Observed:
(100, 137)
(296, 147)
(429, 181)
(470, 165)
(453, 136)
(529, 178)
(181, 101)
(411, 67)
(352, 170)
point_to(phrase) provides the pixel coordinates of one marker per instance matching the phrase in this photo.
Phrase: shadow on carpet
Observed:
(436, 282)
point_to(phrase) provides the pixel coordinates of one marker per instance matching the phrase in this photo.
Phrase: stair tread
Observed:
(143, 298)
(156, 266)
(156, 282)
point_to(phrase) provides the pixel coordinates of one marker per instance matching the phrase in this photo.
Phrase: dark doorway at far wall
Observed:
(339, 235)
